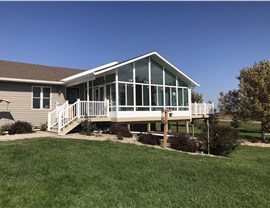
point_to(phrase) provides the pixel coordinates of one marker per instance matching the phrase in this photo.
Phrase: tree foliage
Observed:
(251, 101)
(196, 97)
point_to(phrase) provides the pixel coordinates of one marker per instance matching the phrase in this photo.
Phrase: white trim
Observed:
(41, 98)
(88, 72)
(147, 55)
(31, 81)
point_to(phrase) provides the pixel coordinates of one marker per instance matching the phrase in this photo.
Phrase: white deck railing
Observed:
(202, 108)
(65, 114)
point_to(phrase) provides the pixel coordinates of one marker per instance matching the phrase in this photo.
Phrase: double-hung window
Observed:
(41, 97)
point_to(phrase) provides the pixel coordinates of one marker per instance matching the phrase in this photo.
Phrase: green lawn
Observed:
(250, 131)
(52, 172)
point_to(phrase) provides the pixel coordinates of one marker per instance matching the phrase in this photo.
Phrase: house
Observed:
(135, 90)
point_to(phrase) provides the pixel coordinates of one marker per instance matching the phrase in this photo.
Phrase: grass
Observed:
(49, 172)
(251, 131)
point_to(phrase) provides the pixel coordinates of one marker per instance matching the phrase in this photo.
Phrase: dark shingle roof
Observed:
(18, 70)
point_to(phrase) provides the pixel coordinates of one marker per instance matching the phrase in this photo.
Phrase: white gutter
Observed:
(31, 81)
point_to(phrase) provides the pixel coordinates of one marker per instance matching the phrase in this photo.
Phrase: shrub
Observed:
(183, 142)
(4, 128)
(43, 127)
(20, 127)
(149, 139)
(88, 127)
(223, 139)
(120, 131)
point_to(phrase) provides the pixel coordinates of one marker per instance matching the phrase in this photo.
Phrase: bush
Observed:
(43, 127)
(88, 127)
(223, 139)
(183, 142)
(149, 139)
(120, 131)
(20, 127)
(4, 128)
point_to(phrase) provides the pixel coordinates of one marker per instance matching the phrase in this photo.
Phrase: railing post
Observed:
(204, 108)
(59, 121)
(213, 108)
(78, 108)
(108, 109)
(195, 107)
(49, 122)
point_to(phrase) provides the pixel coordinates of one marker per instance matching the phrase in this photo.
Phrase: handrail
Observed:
(82, 109)
(202, 108)
(53, 115)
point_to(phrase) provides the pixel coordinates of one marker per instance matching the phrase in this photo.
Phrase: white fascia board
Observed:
(31, 81)
(87, 72)
(148, 55)
(124, 63)
(178, 70)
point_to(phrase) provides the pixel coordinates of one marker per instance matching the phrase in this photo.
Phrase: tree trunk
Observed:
(263, 130)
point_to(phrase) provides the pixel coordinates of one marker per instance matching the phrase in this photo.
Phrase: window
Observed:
(154, 95)
(145, 95)
(141, 71)
(181, 83)
(160, 96)
(125, 73)
(41, 97)
(173, 89)
(129, 94)
(167, 96)
(156, 73)
(122, 94)
(170, 78)
(110, 78)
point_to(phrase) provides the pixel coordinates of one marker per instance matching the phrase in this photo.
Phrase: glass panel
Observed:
(36, 103)
(157, 109)
(110, 78)
(180, 97)
(170, 78)
(160, 96)
(108, 93)
(99, 81)
(125, 73)
(122, 94)
(46, 92)
(126, 109)
(167, 96)
(46, 103)
(146, 95)
(141, 71)
(142, 109)
(156, 73)
(113, 94)
(36, 91)
(101, 89)
(183, 109)
(138, 94)
(173, 96)
(90, 94)
(154, 95)
(130, 94)
(185, 97)
(181, 83)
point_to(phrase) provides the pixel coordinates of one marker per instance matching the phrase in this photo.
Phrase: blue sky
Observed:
(209, 41)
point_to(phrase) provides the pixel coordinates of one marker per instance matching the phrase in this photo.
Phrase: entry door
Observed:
(99, 93)
(72, 95)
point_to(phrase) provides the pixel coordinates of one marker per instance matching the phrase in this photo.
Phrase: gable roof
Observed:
(24, 72)
(92, 73)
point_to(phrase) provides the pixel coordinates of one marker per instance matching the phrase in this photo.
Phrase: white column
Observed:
(149, 74)
(87, 105)
(189, 101)
(204, 108)
(164, 89)
(49, 121)
(195, 109)
(78, 108)
(116, 88)
(134, 87)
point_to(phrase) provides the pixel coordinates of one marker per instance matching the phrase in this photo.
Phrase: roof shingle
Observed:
(18, 70)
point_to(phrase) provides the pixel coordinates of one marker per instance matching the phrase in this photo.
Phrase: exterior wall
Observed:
(20, 94)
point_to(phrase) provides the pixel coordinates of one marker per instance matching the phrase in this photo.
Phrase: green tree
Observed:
(251, 101)
(196, 97)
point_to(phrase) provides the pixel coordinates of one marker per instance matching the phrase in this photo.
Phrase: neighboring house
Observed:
(135, 90)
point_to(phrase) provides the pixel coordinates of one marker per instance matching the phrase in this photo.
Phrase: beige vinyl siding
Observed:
(20, 95)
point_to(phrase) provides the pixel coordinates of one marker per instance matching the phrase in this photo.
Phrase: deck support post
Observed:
(128, 126)
(177, 127)
(187, 127)
(148, 127)
(166, 126)
(193, 130)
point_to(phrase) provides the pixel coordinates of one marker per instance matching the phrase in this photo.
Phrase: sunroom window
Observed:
(141, 69)
(125, 73)
(41, 97)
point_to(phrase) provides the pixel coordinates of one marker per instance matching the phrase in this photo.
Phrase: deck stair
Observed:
(66, 117)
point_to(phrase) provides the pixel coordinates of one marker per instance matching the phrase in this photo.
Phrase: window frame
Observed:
(41, 97)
